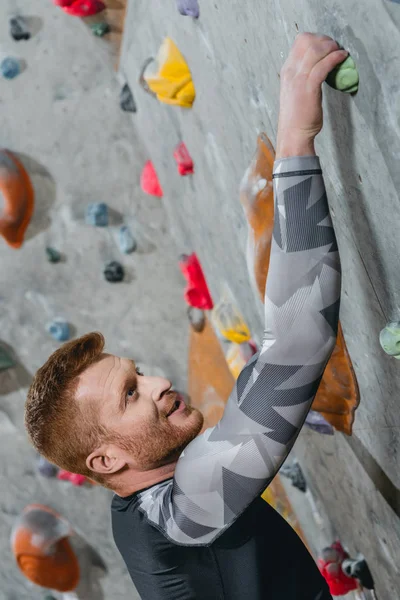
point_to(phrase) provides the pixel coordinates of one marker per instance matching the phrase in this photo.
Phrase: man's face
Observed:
(146, 421)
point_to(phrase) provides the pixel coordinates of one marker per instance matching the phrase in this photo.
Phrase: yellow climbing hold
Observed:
(229, 322)
(172, 83)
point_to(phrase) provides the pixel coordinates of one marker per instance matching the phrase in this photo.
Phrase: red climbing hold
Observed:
(183, 160)
(330, 565)
(73, 478)
(196, 293)
(81, 8)
(149, 180)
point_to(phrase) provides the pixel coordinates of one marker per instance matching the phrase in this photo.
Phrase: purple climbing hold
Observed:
(317, 423)
(189, 8)
(46, 468)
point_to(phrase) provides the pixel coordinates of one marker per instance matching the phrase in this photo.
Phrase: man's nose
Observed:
(160, 387)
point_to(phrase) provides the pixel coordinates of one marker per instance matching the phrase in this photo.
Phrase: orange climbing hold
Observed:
(149, 180)
(16, 199)
(172, 80)
(338, 395)
(42, 551)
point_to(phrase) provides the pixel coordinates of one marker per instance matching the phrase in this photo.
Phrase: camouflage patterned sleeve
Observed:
(224, 469)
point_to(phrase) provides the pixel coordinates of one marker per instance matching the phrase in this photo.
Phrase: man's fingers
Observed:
(316, 52)
(321, 70)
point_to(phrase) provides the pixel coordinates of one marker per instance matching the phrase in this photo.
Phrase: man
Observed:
(187, 514)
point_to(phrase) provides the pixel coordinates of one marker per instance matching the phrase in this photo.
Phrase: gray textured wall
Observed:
(235, 51)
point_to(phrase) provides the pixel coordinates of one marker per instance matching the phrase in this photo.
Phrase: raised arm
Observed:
(223, 470)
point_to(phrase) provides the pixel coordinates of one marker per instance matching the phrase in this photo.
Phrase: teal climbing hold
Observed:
(389, 339)
(6, 360)
(53, 255)
(344, 77)
(100, 29)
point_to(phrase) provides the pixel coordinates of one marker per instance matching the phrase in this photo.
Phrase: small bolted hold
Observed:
(18, 29)
(114, 272)
(59, 330)
(344, 77)
(10, 67)
(97, 214)
(53, 255)
(127, 242)
(100, 29)
(126, 100)
(389, 339)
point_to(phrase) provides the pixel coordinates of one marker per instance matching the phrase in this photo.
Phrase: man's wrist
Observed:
(288, 145)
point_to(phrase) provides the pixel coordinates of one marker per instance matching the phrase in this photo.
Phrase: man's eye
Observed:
(131, 392)
(138, 371)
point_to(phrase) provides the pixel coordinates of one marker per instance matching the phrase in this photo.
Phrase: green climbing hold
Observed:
(100, 29)
(344, 77)
(53, 255)
(6, 360)
(389, 339)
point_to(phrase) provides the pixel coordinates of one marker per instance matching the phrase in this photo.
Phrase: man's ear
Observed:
(105, 460)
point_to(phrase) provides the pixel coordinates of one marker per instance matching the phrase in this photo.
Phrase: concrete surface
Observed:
(235, 51)
(62, 116)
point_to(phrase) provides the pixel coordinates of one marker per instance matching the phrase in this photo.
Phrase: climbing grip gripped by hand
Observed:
(311, 58)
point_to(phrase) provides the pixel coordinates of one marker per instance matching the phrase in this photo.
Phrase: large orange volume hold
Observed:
(338, 394)
(16, 199)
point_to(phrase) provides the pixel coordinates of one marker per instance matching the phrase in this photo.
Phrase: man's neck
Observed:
(133, 481)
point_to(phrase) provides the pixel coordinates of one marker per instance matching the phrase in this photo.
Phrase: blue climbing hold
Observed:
(127, 242)
(59, 330)
(10, 67)
(46, 468)
(97, 214)
(189, 8)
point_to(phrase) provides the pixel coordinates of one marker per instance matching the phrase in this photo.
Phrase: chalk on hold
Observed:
(100, 29)
(127, 242)
(344, 77)
(126, 100)
(97, 214)
(114, 272)
(10, 67)
(189, 8)
(80, 8)
(59, 330)
(172, 80)
(389, 339)
(16, 199)
(53, 255)
(19, 29)
(183, 160)
(149, 180)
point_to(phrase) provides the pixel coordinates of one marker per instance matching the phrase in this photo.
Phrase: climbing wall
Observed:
(235, 51)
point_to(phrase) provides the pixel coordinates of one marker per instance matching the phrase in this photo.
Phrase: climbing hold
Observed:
(196, 292)
(10, 67)
(81, 8)
(359, 569)
(228, 320)
(197, 318)
(149, 180)
(172, 80)
(18, 29)
(344, 77)
(16, 199)
(127, 242)
(73, 478)
(6, 359)
(189, 8)
(330, 564)
(389, 339)
(126, 100)
(46, 468)
(295, 474)
(317, 423)
(100, 29)
(183, 160)
(59, 330)
(114, 272)
(42, 551)
(53, 255)
(97, 214)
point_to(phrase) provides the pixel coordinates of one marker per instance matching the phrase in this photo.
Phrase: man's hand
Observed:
(310, 60)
